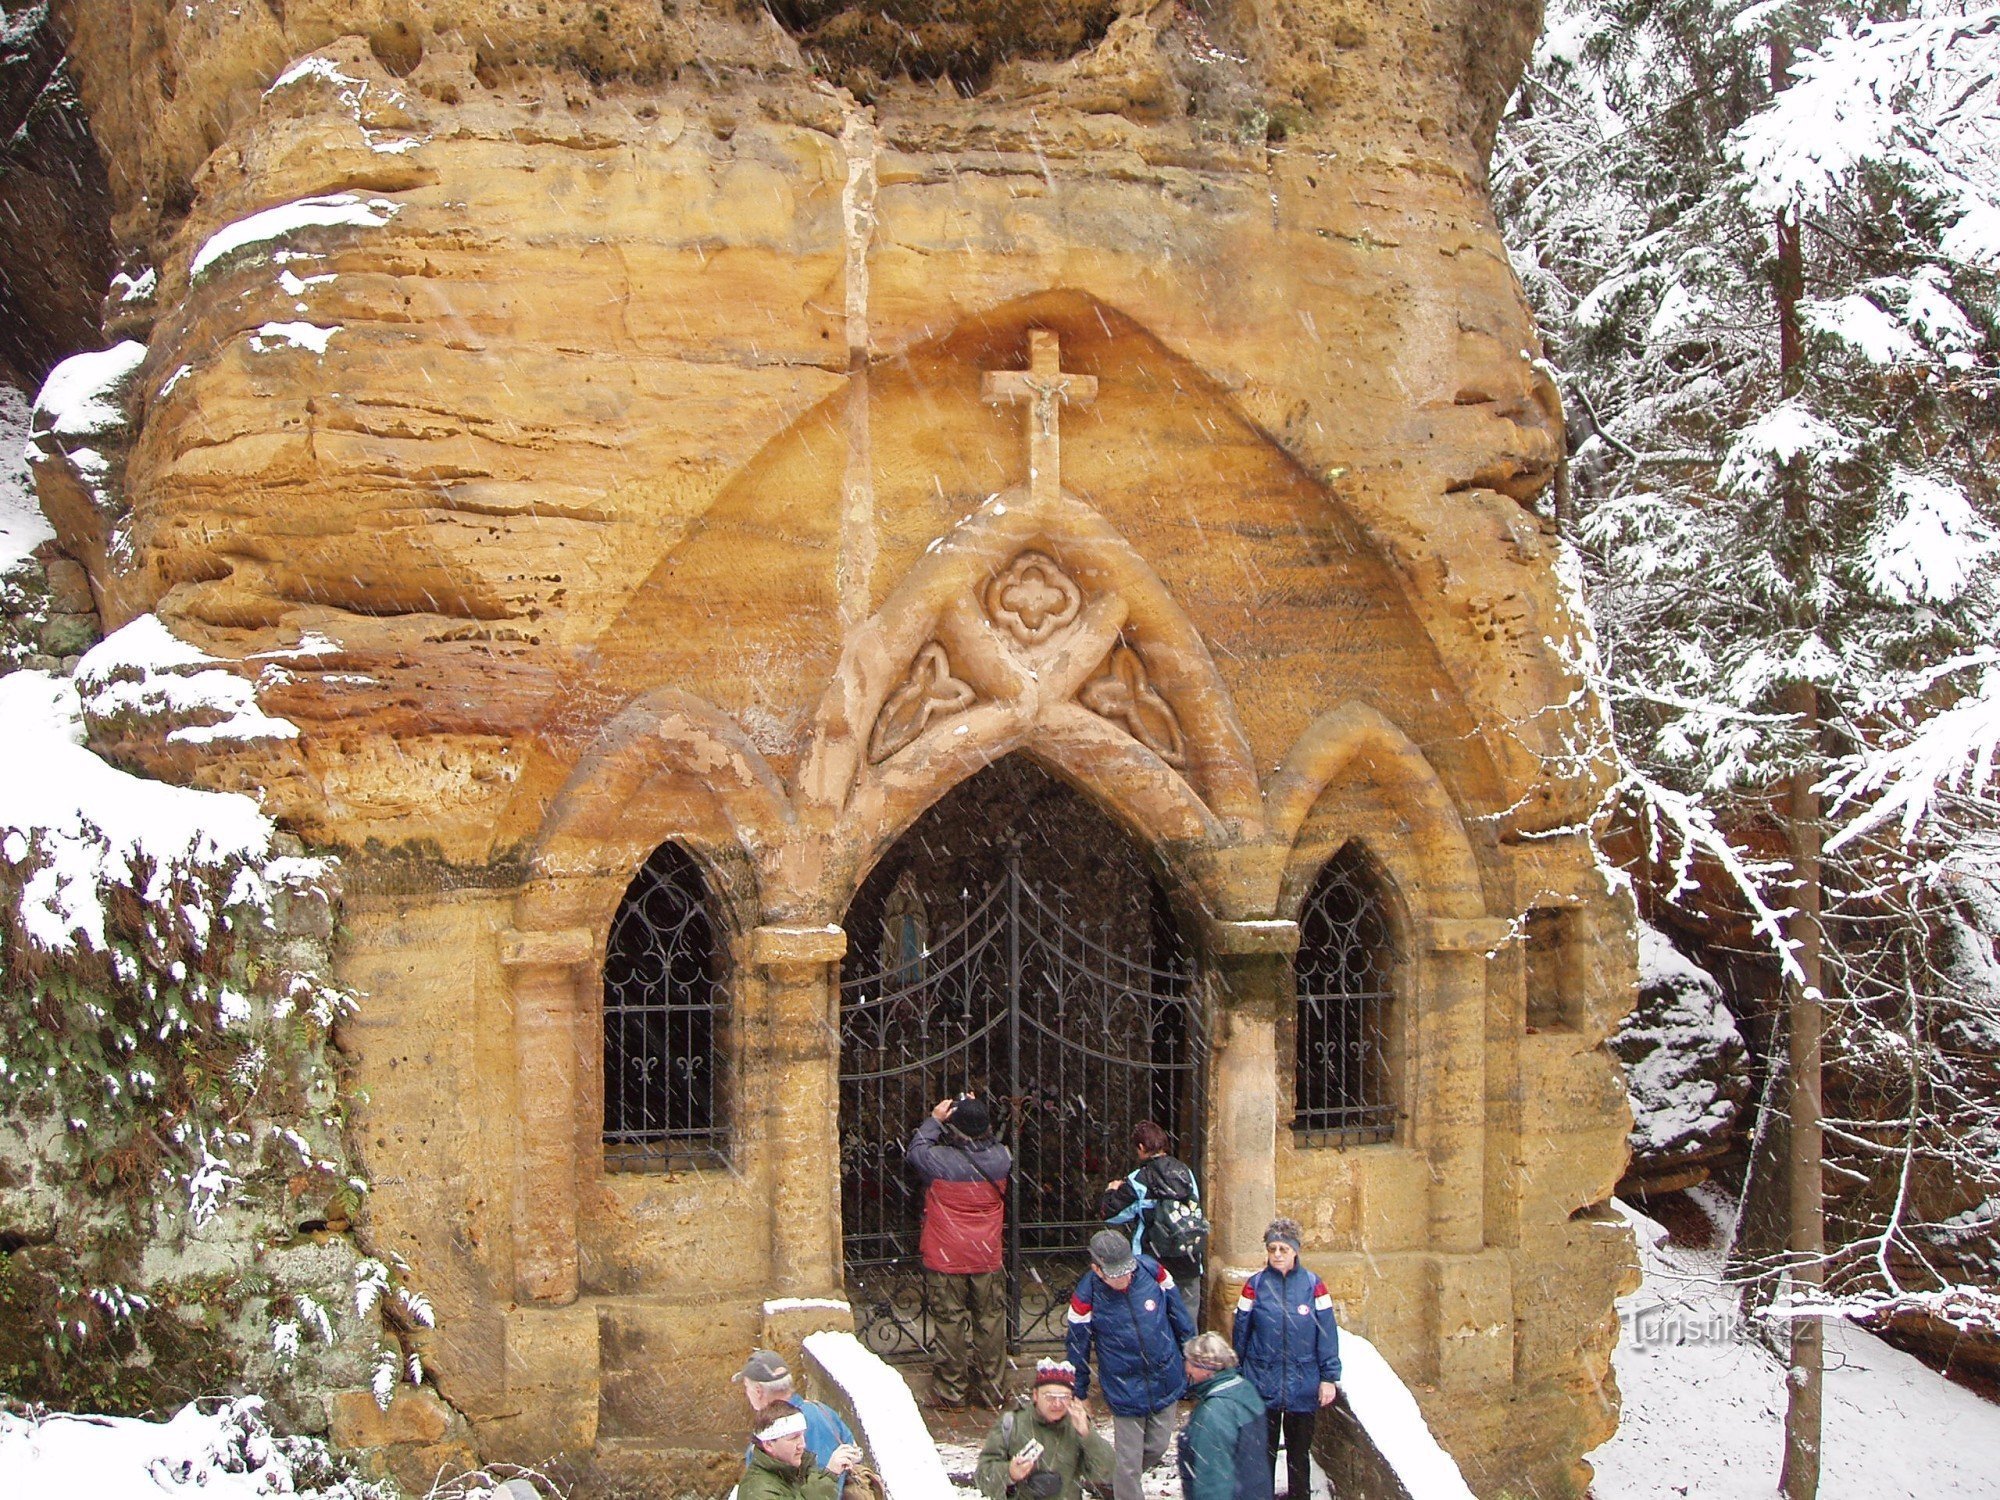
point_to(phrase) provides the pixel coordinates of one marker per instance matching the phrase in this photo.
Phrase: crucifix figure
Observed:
(1044, 387)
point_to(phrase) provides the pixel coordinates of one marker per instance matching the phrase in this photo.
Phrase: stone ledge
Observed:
(1468, 934)
(564, 945)
(1235, 939)
(798, 945)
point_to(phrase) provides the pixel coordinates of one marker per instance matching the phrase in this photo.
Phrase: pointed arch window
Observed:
(1343, 1087)
(665, 1015)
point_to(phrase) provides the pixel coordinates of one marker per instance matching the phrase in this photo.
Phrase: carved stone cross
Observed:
(1044, 387)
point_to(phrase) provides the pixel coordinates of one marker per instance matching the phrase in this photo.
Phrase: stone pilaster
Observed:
(544, 970)
(1249, 969)
(1451, 1051)
(802, 1110)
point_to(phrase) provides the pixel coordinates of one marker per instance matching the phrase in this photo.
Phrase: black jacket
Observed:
(1159, 1177)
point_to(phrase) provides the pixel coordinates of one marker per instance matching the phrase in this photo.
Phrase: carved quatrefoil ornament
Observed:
(1033, 599)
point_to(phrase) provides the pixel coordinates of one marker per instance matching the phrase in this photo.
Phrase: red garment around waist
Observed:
(962, 1222)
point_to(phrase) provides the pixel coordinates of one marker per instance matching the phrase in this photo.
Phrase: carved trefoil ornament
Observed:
(1033, 598)
(928, 692)
(1125, 695)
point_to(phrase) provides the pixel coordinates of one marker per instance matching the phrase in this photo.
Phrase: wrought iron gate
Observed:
(1074, 1033)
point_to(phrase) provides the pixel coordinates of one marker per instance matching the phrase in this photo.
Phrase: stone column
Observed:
(543, 969)
(1451, 1047)
(1250, 976)
(802, 1112)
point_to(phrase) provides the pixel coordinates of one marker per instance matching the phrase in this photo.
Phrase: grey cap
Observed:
(763, 1367)
(1111, 1253)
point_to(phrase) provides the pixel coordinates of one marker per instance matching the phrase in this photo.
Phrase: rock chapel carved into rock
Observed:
(730, 735)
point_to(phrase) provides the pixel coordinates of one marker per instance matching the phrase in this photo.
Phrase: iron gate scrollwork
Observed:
(1074, 1031)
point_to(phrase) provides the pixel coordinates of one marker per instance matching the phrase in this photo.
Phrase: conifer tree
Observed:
(1763, 240)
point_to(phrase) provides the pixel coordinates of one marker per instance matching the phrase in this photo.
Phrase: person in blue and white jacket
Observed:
(1289, 1347)
(1127, 1311)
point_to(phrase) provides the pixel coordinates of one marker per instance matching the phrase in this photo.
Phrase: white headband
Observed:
(784, 1427)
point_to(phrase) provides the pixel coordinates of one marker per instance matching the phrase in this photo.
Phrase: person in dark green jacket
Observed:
(1223, 1452)
(781, 1469)
(1070, 1449)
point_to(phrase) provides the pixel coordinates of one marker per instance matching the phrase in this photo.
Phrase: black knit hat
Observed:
(970, 1117)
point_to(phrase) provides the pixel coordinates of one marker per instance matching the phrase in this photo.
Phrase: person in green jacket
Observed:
(781, 1469)
(1223, 1453)
(1067, 1449)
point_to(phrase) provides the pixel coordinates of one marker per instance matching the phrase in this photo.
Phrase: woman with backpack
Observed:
(1160, 1199)
(1289, 1346)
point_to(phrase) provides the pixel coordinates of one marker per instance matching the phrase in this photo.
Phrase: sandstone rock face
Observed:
(55, 254)
(575, 421)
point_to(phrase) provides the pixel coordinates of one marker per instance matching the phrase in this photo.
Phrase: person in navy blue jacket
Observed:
(1128, 1309)
(1290, 1348)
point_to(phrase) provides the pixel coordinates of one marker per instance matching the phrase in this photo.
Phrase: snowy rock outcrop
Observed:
(1684, 1064)
(176, 1194)
(47, 611)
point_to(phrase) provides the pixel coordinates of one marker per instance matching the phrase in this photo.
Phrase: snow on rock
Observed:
(225, 1453)
(1684, 1059)
(1972, 926)
(80, 413)
(23, 527)
(77, 826)
(334, 210)
(885, 1417)
(319, 69)
(374, 107)
(143, 670)
(1703, 1403)
(130, 289)
(292, 335)
(81, 398)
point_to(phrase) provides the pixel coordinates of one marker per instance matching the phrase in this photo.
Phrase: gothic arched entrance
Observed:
(1013, 941)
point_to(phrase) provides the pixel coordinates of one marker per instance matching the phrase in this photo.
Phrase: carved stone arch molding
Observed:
(668, 765)
(1031, 623)
(1427, 853)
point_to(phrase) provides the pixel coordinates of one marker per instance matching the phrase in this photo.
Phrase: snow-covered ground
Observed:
(22, 524)
(217, 1450)
(1704, 1405)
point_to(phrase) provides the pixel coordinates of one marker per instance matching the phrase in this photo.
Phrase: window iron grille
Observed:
(1343, 1086)
(665, 1014)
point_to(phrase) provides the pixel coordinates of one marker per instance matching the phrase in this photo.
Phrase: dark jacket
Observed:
(1286, 1338)
(1134, 1201)
(965, 1198)
(1138, 1333)
(1072, 1456)
(1225, 1448)
(767, 1479)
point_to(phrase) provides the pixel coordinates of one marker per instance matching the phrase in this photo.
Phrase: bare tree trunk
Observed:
(1799, 1478)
